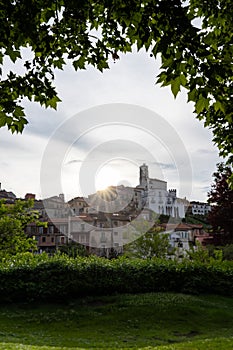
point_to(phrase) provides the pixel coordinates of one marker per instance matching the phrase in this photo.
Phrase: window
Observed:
(51, 229)
(115, 233)
(52, 239)
(82, 227)
(62, 228)
(33, 229)
(40, 230)
(43, 239)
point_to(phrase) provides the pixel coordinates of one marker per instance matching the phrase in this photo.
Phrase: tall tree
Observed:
(221, 197)
(195, 56)
(13, 220)
(152, 244)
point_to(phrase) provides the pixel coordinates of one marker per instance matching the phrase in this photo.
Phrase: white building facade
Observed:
(200, 208)
(157, 198)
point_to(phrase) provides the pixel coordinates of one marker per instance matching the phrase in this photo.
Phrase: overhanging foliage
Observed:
(197, 58)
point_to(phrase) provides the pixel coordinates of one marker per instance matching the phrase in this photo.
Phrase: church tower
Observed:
(144, 175)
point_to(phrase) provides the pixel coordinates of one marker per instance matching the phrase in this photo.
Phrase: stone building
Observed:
(199, 208)
(8, 196)
(156, 197)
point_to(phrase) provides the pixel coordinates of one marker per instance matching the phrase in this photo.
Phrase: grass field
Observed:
(147, 321)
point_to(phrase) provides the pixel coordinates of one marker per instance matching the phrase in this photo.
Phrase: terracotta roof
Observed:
(77, 199)
(120, 218)
(71, 219)
(38, 204)
(181, 226)
(7, 194)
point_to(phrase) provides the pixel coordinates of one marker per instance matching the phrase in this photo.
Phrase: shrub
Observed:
(228, 252)
(39, 277)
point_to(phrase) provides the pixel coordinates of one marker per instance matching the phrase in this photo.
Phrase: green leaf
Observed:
(192, 95)
(201, 104)
(53, 102)
(167, 62)
(20, 124)
(175, 86)
(219, 106)
(162, 77)
(59, 63)
(102, 65)
(3, 119)
(229, 118)
(19, 112)
(183, 80)
(80, 63)
(13, 54)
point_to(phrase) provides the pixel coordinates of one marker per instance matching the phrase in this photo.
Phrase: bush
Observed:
(27, 277)
(228, 252)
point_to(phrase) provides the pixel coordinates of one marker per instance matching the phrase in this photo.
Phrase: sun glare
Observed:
(105, 177)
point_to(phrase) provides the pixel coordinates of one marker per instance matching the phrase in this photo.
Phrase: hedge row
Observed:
(55, 278)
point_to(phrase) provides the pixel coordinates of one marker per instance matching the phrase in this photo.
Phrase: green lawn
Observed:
(147, 321)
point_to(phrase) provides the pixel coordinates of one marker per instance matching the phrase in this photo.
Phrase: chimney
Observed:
(30, 196)
(62, 197)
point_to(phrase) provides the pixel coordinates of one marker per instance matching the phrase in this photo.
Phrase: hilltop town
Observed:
(108, 219)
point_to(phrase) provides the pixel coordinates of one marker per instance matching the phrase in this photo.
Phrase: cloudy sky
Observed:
(92, 141)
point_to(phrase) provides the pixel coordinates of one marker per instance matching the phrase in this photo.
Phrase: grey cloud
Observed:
(11, 143)
(5, 164)
(205, 189)
(74, 161)
(167, 166)
(205, 151)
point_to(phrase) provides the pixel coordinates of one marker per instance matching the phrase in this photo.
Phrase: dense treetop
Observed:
(221, 198)
(13, 221)
(193, 39)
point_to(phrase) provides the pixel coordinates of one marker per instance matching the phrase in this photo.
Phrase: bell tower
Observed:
(143, 180)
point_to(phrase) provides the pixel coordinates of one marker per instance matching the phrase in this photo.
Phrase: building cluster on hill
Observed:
(107, 219)
(198, 208)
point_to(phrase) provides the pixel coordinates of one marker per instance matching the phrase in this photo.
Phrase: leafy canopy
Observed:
(221, 199)
(196, 57)
(152, 244)
(13, 220)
